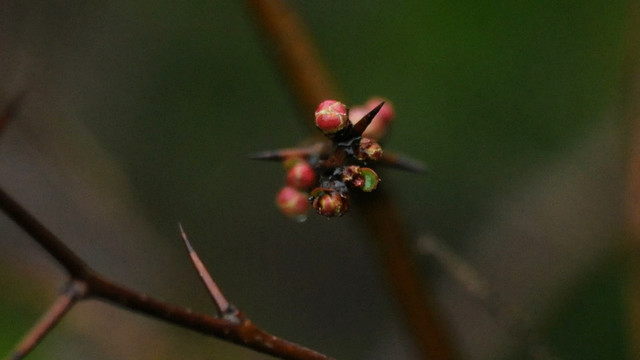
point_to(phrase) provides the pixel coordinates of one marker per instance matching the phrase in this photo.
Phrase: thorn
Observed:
(222, 305)
(403, 162)
(186, 240)
(362, 124)
(284, 154)
(273, 155)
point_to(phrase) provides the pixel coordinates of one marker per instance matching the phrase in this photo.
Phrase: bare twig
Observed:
(72, 292)
(311, 84)
(97, 286)
(317, 149)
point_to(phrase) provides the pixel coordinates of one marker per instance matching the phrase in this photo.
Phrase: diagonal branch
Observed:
(97, 286)
(51, 243)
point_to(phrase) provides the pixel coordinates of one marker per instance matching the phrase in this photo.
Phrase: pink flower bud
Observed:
(331, 117)
(301, 175)
(292, 202)
(329, 202)
(369, 149)
(380, 124)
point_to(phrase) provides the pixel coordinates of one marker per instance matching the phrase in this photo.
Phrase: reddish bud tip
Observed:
(330, 203)
(292, 202)
(331, 117)
(369, 149)
(301, 175)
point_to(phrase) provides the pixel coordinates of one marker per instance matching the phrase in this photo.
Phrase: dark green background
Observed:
(487, 94)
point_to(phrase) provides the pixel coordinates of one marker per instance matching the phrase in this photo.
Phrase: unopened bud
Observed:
(292, 202)
(301, 175)
(369, 149)
(329, 202)
(361, 177)
(331, 117)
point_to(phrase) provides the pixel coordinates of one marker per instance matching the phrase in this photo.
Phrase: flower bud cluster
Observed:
(323, 180)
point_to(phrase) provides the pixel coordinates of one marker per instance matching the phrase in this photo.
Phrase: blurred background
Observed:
(140, 114)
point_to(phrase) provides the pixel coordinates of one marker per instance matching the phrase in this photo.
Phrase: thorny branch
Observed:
(97, 286)
(243, 333)
(311, 84)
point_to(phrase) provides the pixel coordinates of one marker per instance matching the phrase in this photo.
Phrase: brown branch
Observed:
(74, 291)
(51, 243)
(97, 286)
(311, 84)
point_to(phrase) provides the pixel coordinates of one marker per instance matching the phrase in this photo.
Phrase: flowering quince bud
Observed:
(301, 175)
(351, 175)
(361, 177)
(331, 117)
(380, 124)
(369, 149)
(292, 202)
(329, 202)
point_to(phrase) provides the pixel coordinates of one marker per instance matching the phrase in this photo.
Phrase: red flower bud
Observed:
(369, 149)
(331, 117)
(301, 175)
(329, 202)
(292, 202)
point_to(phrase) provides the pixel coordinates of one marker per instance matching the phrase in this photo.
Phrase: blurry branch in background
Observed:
(298, 60)
(630, 109)
(10, 110)
(478, 288)
(86, 283)
(311, 84)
